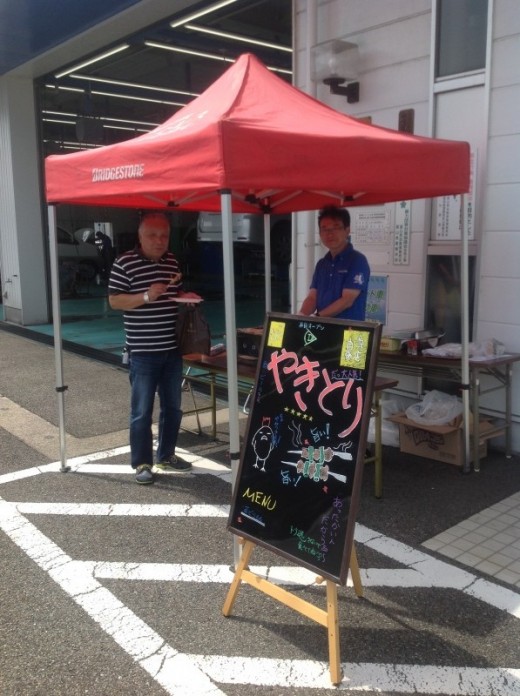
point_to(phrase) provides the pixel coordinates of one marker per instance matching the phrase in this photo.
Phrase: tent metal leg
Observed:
(56, 318)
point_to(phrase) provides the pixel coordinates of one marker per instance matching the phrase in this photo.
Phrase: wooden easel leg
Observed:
(235, 585)
(333, 632)
(356, 575)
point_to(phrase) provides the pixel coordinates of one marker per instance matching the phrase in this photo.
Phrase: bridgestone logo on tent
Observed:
(128, 171)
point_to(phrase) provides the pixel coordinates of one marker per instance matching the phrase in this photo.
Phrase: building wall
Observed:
(499, 282)
(24, 291)
(395, 72)
(394, 67)
(499, 315)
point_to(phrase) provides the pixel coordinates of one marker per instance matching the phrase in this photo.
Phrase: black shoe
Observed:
(175, 464)
(144, 474)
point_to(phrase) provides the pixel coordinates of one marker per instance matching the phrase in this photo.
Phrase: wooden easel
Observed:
(327, 618)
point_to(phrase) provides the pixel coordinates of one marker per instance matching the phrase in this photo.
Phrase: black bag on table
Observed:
(193, 332)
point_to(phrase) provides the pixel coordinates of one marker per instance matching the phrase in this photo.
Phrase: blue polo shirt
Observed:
(349, 270)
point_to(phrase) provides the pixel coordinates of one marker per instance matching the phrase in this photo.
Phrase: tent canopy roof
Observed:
(270, 145)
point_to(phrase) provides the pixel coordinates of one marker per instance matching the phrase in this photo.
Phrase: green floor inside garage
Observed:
(90, 327)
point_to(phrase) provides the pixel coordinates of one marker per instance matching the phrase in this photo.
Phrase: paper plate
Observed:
(187, 300)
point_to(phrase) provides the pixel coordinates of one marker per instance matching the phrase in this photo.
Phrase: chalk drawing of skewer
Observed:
(263, 443)
(311, 463)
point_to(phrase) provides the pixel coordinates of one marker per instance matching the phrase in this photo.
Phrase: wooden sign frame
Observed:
(298, 483)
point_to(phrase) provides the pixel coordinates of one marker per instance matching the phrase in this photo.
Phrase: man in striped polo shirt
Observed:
(144, 284)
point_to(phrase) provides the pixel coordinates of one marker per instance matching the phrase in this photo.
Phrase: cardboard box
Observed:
(444, 443)
(389, 344)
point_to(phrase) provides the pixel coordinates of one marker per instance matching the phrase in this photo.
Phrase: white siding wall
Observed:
(394, 46)
(499, 313)
(23, 267)
(394, 65)
(499, 286)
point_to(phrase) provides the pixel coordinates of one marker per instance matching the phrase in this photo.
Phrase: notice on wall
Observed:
(298, 485)
(448, 218)
(453, 211)
(371, 225)
(402, 233)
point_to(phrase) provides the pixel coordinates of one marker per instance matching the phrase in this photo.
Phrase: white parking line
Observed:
(121, 510)
(421, 569)
(362, 677)
(195, 675)
(177, 673)
(84, 465)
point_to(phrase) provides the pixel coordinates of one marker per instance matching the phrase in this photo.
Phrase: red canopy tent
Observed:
(253, 143)
(265, 141)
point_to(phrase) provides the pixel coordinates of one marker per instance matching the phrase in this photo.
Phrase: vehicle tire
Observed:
(89, 270)
(281, 243)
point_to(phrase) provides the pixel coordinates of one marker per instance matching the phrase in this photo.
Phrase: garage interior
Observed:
(127, 89)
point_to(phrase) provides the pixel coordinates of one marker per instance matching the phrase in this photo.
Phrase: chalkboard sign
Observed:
(298, 484)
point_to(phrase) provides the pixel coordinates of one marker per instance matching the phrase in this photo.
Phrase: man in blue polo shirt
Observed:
(340, 281)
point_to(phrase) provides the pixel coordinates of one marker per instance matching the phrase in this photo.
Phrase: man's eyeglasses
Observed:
(336, 228)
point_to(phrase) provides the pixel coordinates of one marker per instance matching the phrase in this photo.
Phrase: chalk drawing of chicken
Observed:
(263, 443)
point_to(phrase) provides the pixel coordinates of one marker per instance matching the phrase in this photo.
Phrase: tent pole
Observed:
(267, 261)
(231, 342)
(466, 468)
(56, 318)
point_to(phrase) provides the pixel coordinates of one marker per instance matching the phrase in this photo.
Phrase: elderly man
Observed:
(145, 284)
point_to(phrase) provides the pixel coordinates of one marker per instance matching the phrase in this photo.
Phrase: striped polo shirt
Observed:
(151, 327)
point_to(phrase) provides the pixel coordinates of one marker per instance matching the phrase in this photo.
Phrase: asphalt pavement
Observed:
(112, 588)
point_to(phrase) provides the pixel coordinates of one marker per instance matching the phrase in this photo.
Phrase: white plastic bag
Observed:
(390, 405)
(436, 408)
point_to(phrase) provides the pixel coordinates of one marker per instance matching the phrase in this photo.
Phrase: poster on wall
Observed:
(452, 211)
(298, 484)
(401, 255)
(371, 225)
(377, 299)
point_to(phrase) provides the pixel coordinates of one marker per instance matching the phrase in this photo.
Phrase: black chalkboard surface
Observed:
(298, 484)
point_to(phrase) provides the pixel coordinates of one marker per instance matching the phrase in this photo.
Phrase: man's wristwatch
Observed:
(146, 297)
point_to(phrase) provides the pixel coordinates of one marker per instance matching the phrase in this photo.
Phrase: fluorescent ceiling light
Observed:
(201, 13)
(237, 37)
(279, 70)
(102, 118)
(82, 146)
(59, 113)
(189, 51)
(133, 130)
(134, 98)
(59, 120)
(210, 56)
(113, 126)
(133, 85)
(116, 96)
(69, 145)
(125, 128)
(131, 123)
(101, 56)
(65, 89)
(124, 120)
